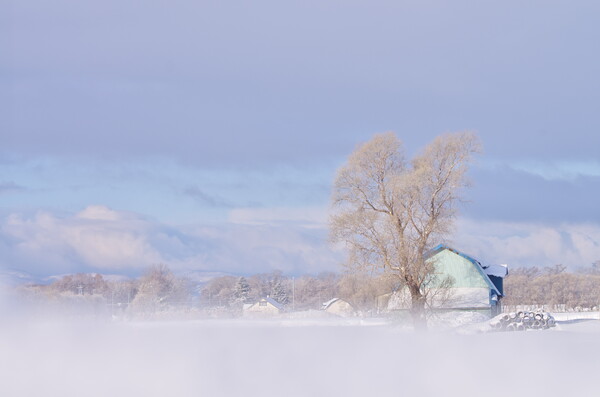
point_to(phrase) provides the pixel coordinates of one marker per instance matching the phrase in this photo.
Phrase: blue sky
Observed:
(206, 134)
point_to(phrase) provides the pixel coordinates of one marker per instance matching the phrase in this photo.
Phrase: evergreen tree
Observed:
(278, 292)
(242, 291)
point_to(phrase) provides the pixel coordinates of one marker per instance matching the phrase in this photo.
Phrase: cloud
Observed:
(307, 216)
(559, 170)
(10, 187)
(206, 199)
(99, 213)
(501, 192)
(253, 240)
(255, 248)
(529, 243)
(95, 238)
(101, 239)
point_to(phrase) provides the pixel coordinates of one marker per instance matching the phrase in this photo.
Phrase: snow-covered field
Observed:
(294, 357)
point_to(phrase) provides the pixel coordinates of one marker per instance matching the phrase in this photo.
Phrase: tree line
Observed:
(307, 292)
(159, 292)
(553, 288)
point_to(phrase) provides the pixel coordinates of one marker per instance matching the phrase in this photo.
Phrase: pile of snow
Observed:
(576, 316)
(457, 319)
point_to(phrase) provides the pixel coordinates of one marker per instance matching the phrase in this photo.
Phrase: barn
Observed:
(474, 286)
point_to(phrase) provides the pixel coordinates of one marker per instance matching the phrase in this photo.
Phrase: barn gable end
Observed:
(472, 285)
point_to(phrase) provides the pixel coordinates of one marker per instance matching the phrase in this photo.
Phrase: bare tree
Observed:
(390, 212)
(159, 289)
(556, 269)
(553, 288)
(312, 291)
(596, 266)
(362, 290)
(219, 291)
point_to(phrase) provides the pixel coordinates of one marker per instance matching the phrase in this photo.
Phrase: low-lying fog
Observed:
(291, 358)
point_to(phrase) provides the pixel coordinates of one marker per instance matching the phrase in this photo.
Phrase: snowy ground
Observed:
(293, 357)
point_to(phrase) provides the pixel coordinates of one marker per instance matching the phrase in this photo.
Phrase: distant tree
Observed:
(308, 293)
(556, 269)
(159, 289)
(81, 284)
(242, 291)
(278, 291)
(552, 288)
(122, 292)
(362, 290)
(219, 291)
(529, 272)
(260, 285)
(312, 291)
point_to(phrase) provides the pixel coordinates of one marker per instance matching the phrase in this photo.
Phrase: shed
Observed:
(475, 286)
(265, 307)
(338, 307)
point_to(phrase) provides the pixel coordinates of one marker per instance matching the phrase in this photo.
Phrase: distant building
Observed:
(474, 285)
(338, 307)
(265, 307)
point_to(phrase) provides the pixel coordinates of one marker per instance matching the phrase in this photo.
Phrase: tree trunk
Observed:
(417, 309)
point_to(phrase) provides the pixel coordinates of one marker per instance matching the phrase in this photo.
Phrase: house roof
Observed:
(329, 303)
(272, 302)
(486, 271)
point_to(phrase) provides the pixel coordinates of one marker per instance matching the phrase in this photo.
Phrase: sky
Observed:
(206, 134)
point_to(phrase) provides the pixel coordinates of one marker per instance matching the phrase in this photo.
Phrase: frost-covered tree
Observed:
(82, 284)
(362, 290)
(219, 291)
(312, 291)
(389, 212)
(278, 291)
(159, 289)
(241, 293)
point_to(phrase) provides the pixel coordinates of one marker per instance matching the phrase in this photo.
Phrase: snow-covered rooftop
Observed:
(329, 302)
(496, 270)
(273, 302)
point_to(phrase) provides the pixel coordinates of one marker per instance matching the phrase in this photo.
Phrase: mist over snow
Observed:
(225, 358)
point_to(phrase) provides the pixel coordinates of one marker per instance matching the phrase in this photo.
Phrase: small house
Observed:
(473, 286)
(338, 307)
(265, 307)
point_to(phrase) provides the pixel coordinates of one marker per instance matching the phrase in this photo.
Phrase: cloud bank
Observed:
(101, 239)
(529, 243)
(295, 241)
